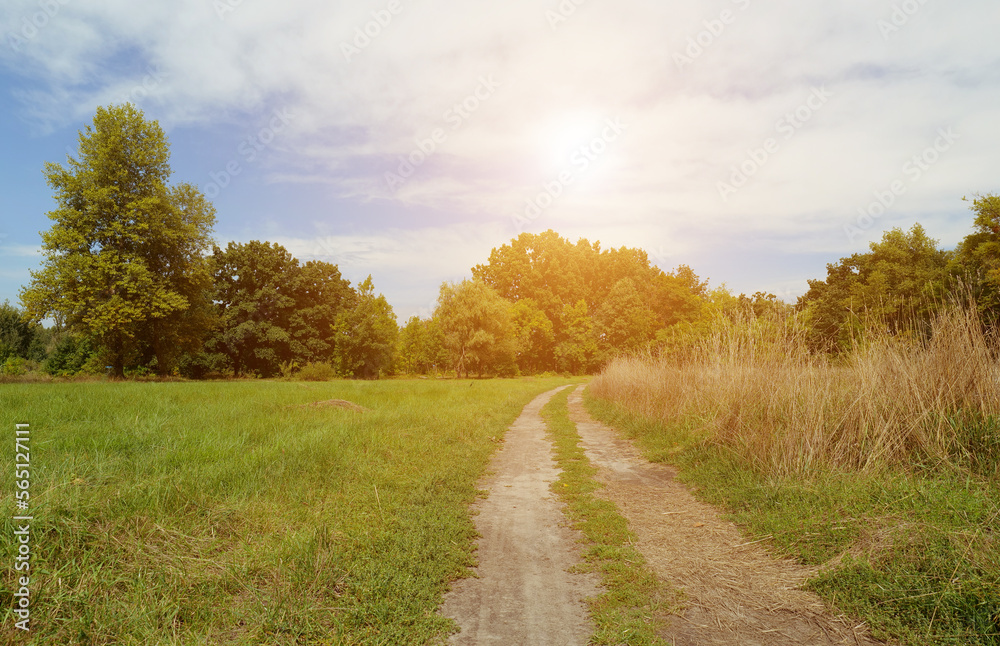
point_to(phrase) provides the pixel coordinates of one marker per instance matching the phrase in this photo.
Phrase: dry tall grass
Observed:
(751, 385)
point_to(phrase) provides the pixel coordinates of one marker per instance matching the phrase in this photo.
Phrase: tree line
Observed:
(136, 285)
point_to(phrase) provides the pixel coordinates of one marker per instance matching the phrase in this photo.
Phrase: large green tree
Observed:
(555, 275)
(255, 289)
(624, 320)
(898, 284)
(577, 351)
(123, 260)
(535, 337)
(420, 347)
(321, 296)
(477, 328)
(366, 334)
(977, 259)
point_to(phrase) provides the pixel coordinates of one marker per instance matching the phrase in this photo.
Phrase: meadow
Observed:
(235, 513)
(881, 468)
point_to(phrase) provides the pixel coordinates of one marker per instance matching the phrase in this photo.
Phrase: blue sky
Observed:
(751, 141)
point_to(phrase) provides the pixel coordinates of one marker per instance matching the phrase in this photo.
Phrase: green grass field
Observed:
(226, 513)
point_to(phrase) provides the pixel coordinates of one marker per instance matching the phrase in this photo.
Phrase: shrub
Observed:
(14, 367)
(316, 372)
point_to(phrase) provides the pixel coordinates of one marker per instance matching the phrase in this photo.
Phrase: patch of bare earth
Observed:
(524, 593)
(736, 593)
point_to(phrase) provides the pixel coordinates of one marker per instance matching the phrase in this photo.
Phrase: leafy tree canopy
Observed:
(896, 284)
(125, 250)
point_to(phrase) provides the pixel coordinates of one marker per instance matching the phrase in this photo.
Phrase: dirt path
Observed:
(736, 592)
(524, 594)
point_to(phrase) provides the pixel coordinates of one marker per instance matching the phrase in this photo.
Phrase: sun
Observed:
(561, 136)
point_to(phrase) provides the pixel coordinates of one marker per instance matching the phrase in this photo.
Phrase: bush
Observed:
(204, 365)
(316, 372)
(14, 367)
(69, 356)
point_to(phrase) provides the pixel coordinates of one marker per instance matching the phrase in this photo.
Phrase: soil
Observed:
(735, 591)
(524, 593)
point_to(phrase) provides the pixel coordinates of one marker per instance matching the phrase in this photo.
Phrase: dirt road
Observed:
(524, 593)
(736, 592)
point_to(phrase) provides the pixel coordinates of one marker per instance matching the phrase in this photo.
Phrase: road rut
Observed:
(524, 593)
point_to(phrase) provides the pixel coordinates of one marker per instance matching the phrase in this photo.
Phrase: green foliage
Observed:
(555, 276)
(321, 296)
(898, 285)
(477, 328)
(69, 356)
(18, 337)
(270, 310)
(577, 351)
(14, 367)
(534, 337)
(366, 334)
(316, 372)
(124, 255)
(254, 300)
(420, 348)
(623, 320)
(977, 258)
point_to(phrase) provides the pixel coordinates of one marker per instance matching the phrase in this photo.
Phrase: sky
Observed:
(753, 141)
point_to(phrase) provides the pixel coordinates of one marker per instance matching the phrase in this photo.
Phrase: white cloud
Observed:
(20, 251)
(687, 127)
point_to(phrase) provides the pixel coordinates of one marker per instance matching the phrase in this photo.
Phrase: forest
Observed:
(132, 284)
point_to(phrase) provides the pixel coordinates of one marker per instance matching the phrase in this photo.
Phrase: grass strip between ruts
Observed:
(634, 602)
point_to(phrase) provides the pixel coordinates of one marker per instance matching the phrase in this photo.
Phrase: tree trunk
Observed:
(118, 360)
